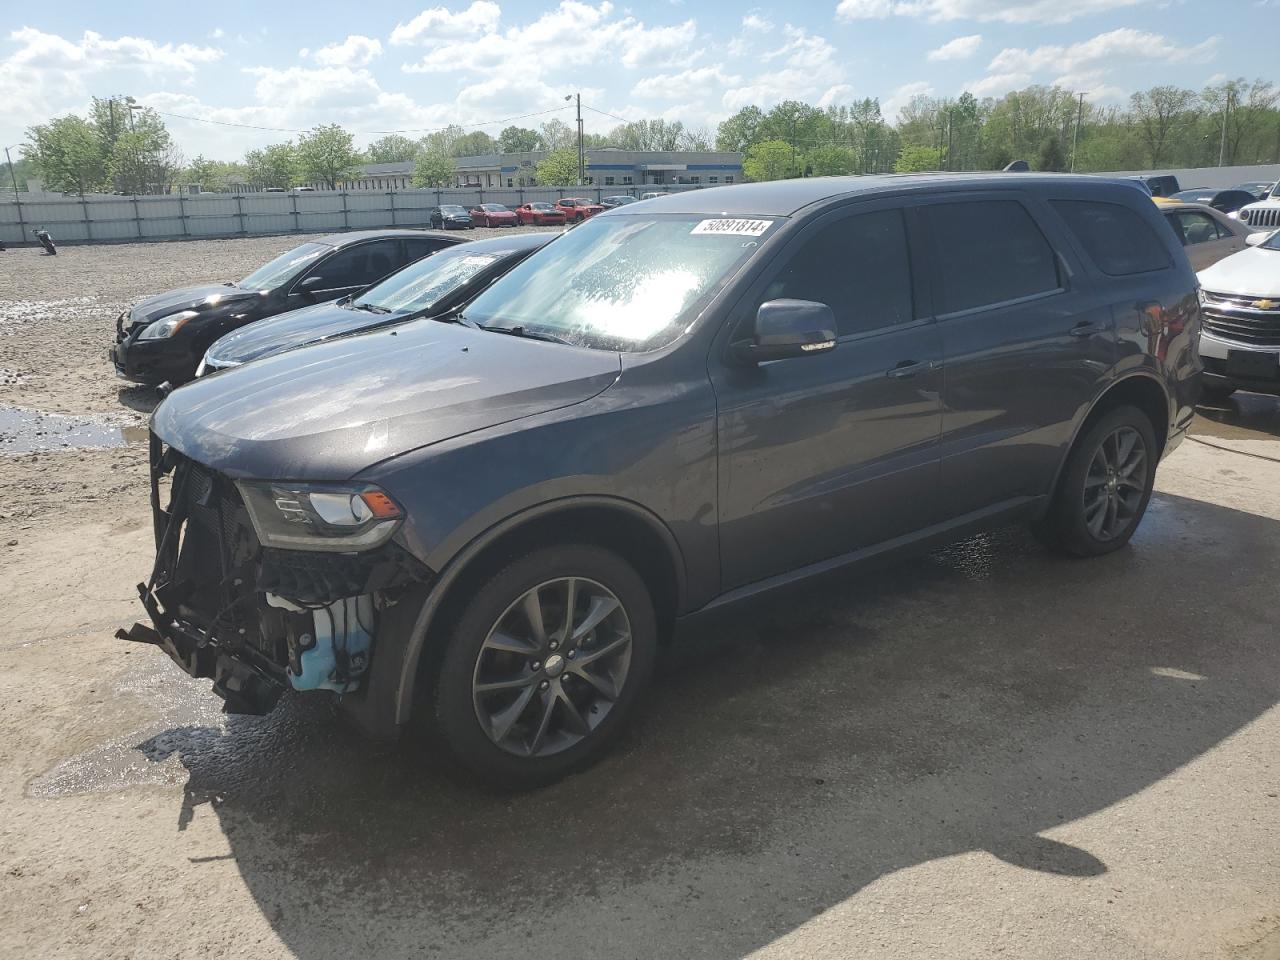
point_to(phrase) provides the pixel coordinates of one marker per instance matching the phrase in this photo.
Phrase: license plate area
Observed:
(1253, 365)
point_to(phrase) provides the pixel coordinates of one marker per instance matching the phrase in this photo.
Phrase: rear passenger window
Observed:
(989, 251)
(1116, 239)
(857, 266)
(1195, 227)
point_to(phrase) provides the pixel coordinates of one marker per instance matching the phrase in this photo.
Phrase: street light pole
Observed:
(22, 226)
(1075, 134)
(582, 161)
(1226, 110)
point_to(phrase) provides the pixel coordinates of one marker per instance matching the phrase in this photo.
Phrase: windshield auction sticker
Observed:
(733, 228)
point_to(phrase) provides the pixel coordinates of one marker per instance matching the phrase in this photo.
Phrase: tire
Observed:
(1216, 394)
(1071, 524)
(545, 719)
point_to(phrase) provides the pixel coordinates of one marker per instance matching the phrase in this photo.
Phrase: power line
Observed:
(254, 126)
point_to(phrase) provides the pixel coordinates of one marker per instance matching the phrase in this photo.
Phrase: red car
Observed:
(493, 215)
(540, 214)
(577, 209)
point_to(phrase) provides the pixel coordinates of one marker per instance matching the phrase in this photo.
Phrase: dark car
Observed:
(163, 338)
(1224, 201)
(493, 215)
(1161, 185)
(493, 525)
(450, 217)
(431, 287)
(619, 201)
(1260, 189)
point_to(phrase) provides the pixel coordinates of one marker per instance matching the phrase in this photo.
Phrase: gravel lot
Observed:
(985, 751)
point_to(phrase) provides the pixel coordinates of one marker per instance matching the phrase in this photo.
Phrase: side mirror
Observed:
(309, 286)
(1256, 239)
(788, 328)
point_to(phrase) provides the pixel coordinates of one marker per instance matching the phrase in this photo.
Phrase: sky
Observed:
(409, 67)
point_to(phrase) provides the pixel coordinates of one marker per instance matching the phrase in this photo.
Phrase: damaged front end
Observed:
(263, 586)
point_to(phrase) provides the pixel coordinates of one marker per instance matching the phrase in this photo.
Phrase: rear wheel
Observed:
(544, 665)
(1105, 487)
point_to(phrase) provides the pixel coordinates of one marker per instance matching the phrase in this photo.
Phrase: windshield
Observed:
(452, 209)
(1272, 242)
(423, 284)
(621, 283)
(540, 206)
(1275, 191)
(493, 208)
(284, 267)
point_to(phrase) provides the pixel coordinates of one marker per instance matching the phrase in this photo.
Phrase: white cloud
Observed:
(355, 51)
(675, 86)
(756, 23)
(1124, 45)
(217, 33)
(903, 95)
(442, 23)
(540, 47)
(958, 49)
(1002, 11)
(995, 84)
(807, 68)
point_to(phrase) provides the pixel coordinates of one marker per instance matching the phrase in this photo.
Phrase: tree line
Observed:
(122, 147)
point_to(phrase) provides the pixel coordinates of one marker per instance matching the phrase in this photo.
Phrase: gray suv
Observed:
(492, 521)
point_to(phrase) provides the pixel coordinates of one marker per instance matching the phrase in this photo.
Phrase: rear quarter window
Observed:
(1118, 241)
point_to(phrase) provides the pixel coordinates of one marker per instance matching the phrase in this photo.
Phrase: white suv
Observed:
(1265, 214)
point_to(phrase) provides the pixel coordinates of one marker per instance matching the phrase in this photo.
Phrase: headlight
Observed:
(306, 516)
(166, 326)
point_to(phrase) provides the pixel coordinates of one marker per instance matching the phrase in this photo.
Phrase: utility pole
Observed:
(792, 169)
(582, 159)
(14, 175)
(1075, 134)
(1226, 110)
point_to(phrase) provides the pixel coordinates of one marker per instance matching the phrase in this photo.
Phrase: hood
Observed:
(328, 411)
(294, 329)
(202, 298)
(1251, 272)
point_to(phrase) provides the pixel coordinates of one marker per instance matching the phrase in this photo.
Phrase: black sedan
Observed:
(619, 201)
(1224, 201)
(450, 216)
(433, 287)
(163, 338)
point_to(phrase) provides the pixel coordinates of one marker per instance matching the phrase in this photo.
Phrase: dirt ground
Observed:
(986, 751)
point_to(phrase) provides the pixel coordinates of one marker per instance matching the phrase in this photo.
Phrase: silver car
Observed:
(1205, 233)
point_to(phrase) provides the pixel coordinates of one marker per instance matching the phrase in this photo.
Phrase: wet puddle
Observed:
(31, 431)
(1243, 416)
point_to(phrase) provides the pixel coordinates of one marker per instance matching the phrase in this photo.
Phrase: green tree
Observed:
(477, 143)
(1158, 113)
(66, 155)
(434, 168)
(829, 160)
(767, 160)
(202, 172)
(558, 168)
(740, 131)
(519, 140)
(273, 166)
(327, 155)
(558, 135)
(648, 135)
(1051, 157)
(393, 148)
(917, 159)
(144, 162)
(442, 141)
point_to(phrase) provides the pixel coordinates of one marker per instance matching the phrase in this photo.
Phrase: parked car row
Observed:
(486, 505)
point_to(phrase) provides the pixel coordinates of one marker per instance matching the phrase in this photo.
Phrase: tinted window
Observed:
(422, 285)
(357, 266)
(988, 252)
(1117, 240)
(284, 267)
(1194, 227)
(417, 249)
(858, 266)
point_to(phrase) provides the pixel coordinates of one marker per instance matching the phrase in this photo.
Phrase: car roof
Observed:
(356, 236)
(783, 198)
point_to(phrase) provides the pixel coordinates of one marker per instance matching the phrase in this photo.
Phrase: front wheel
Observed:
(544, 664)
(1105, 486)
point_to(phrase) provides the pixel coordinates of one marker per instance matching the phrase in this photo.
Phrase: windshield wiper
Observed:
(527, 334)
(370, 307)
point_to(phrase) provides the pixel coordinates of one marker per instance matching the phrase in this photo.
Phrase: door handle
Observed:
(1084, 328)
(905, 369)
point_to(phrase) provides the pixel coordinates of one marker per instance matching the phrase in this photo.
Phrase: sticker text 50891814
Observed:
(733, 228)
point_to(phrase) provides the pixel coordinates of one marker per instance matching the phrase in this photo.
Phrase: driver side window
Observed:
(858, 266)
(356, 266)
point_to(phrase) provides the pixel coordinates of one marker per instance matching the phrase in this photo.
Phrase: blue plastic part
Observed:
(338, 629)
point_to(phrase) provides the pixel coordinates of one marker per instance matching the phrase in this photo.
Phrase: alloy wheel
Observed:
(1116, 483)
(552, 667)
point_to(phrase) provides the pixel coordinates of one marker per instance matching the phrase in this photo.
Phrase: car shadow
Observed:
(140, 398)
(1242, 416)
(974, 699)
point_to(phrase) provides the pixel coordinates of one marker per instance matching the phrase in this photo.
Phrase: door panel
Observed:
(828, 453)
(1017, 372)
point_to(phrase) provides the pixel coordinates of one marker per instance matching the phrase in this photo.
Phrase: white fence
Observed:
(123, 219)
